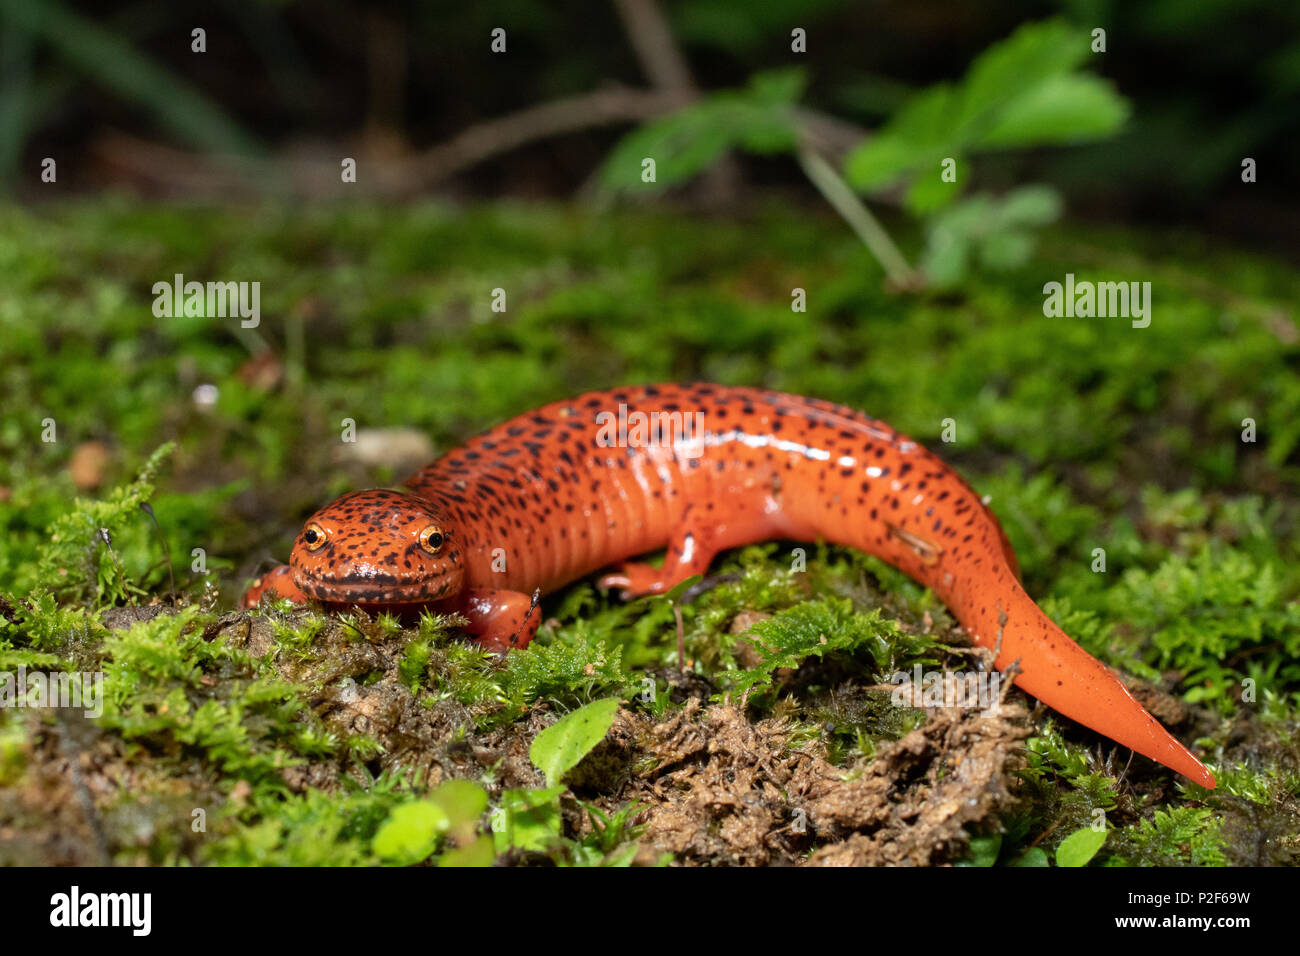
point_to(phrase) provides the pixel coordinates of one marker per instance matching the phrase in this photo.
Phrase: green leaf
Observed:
(528, 819)
(984, 851)
(756, 119)
(682, 587)
(463, 802)
(993, 230)
(411, 832)
(781, 87)
(929, 192)
(1006, 250)
(1080, 847)
(1023, 91)
(1035, 53)
(1064, 109)
(1031, 206)
(920, 134)
(477, 853)
(559, 748)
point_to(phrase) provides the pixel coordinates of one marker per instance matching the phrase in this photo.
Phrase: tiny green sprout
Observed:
(608, 830)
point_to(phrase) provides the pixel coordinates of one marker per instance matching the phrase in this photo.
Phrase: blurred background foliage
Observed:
(114, 91)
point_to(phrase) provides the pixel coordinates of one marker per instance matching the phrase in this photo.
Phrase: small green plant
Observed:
(1029, 90)
(1209, 616)
(415, 830)
(532, 821)
(528, 820)
(1179, 836)
(79, 559)
(612, 840)
(758, 119)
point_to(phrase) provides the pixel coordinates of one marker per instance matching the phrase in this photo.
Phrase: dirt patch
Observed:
(82, 802)
(723, 790)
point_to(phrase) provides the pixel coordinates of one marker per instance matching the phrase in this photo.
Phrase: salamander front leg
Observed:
(501, 619)
(690, 552)
(278, 582)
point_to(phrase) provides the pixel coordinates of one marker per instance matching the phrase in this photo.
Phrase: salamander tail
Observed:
(1068, 679)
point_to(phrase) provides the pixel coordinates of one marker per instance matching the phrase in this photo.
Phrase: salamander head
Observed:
(378, 547)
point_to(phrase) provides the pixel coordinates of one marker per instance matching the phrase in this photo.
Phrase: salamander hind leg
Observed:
(691, 550)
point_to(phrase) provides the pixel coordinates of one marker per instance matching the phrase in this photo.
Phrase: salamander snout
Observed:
(378, 547)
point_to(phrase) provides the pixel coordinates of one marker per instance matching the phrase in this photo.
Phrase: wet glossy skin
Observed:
(546, 498)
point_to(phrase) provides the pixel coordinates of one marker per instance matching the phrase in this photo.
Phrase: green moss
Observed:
(1183, 836)
(1087, 434)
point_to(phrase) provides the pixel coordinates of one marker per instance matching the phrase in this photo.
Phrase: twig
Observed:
(1002, 623)
(72, 753)
(528, 615)
(666, 68)
(553, 118)
(648, 31)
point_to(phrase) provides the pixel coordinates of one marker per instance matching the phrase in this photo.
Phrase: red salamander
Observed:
(580, 485)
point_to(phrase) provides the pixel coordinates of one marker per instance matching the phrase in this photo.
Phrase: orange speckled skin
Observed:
(544, 499)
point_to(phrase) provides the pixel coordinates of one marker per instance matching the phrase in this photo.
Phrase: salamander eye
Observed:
(431, 539)
(314, 536)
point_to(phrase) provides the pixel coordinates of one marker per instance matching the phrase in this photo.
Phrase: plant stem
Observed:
(846, 202)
